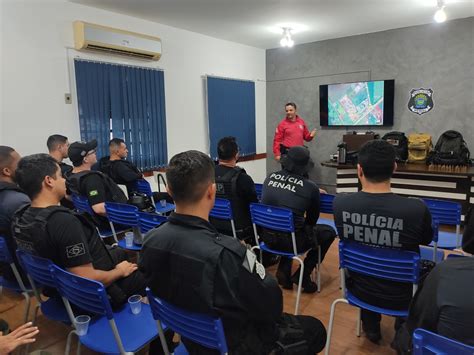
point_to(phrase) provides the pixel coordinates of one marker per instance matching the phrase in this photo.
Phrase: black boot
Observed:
(308, 285)
(283, 273)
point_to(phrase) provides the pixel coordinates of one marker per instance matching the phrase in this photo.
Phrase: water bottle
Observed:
(342, 147)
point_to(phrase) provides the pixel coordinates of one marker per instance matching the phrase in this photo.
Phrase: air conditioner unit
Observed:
(100, 38)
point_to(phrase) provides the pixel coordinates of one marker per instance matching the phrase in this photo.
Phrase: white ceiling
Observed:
(254, 22)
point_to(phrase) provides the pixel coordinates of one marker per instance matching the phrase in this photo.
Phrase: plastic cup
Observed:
(82, 324)
(163, 203)
(135, 303)
(129, 239)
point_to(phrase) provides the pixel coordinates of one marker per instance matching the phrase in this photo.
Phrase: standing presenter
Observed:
(291, 131)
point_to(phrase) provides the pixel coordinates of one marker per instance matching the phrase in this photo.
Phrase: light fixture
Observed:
(286, 41)
(440, 15)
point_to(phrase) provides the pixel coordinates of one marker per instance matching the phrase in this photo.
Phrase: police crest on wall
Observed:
(421, 101)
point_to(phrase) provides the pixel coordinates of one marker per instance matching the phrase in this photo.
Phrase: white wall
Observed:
(36, 72)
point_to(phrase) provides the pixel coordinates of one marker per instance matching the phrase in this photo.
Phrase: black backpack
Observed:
(451, 149)
(399, 142)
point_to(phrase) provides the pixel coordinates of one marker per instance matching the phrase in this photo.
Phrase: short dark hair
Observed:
(189, 175)
(55, 140)
(116, 142)
(227, 148)
(5, 156)
(291, 104)
(377, 159)
(32, 170)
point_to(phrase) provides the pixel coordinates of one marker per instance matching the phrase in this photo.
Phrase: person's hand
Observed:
(126, 268)
(277, 157)
(322, 191)
(20, 336)
(313, 133)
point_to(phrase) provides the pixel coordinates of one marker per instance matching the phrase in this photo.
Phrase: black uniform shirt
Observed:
(385, 220)
(65, 169)
(188, 263)
(245, 185)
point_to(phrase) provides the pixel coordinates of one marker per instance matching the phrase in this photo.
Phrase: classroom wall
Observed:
(437, 56)
(37, 70)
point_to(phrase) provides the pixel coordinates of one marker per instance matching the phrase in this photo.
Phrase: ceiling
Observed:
(256, 22)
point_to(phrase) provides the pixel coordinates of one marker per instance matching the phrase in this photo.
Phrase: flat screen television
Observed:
(363, 103)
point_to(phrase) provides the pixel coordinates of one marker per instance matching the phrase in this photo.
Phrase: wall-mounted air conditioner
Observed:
(100, 38)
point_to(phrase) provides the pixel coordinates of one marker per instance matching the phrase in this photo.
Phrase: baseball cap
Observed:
(78, 150)
(297, 160)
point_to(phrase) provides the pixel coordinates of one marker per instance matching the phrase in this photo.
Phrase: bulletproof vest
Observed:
(74, 184)
(28, 236)
(4, 186)
(226, 187)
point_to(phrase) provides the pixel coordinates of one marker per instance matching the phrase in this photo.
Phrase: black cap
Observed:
(297, 160)
(78, 150)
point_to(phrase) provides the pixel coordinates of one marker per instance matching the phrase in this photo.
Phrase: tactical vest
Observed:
(7, 186)
(226, 187)
(28, 235)
(74, 184)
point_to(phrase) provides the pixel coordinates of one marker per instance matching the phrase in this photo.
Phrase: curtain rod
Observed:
(76, 56)
(229, 78)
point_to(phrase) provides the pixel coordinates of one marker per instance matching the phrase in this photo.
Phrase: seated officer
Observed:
(233, 184)
(58, 146)
(289, 188)
(11, 199)
(188, 263)
(376, 216)
(68, 239)
(96, 186)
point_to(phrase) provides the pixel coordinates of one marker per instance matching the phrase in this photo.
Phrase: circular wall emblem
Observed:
(421, 101)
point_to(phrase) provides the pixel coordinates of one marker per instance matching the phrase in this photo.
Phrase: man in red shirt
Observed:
(292, 131)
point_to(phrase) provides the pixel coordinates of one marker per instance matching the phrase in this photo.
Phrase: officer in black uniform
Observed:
(188, 263)
(58, 146)
(233, 184)
(289, 188)
(68, 239)
(96, 186)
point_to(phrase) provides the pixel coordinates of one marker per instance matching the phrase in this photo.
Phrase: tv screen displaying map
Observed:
(365, 103)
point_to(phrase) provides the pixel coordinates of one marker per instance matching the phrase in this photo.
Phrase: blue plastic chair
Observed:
(446, 213)
(427, 253)
(223, 210)
(258, 190)
(81, 205)
(147, 221)
(17, 286)
(198, 328)
(281, 220)
(39, 274)
(126, 216)
(325, 206)
(384, 263)
(428, 343)
(109, 332)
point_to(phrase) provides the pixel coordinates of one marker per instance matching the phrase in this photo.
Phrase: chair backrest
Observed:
(5, 256)
(222, 209)
(39, 269)
(81, 204)
(198, 328)
(122, 213)
(88, 295)
(445, 212)
(148, 221)
(258, 190)
(456, 256)
(428, 343)
(143, 186)
(325, 203)
(384, 263)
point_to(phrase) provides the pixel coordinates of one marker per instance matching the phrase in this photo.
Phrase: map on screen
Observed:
(356, 104)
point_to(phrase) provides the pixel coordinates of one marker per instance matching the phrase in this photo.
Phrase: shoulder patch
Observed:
(260, 269)
(75, 250)
(93, 193)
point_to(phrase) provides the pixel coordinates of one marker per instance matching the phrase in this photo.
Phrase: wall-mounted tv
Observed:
(363, 103)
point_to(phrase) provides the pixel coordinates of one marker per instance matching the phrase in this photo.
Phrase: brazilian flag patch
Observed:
(93, 193)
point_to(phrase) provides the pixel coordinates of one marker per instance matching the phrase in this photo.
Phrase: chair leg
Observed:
(331, 323)
(27, 306)
(68, 342)
(300, 284)
(318, 266)
(78, 351)
(359, 322)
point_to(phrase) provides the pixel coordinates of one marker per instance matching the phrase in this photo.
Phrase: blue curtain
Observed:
(231, 110)
(134, 109)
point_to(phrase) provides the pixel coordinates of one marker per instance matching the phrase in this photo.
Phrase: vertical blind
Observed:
(231, 112)
(124, 102)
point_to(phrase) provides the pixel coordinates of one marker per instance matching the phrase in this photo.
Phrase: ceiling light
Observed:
(286, 41)
(440, 15)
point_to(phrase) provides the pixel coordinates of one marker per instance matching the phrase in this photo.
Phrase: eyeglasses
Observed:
(91, 152)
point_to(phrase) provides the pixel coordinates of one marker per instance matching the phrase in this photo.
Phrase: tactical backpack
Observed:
(399, 142)
(419, 146)
(451, 149)
(74, 184)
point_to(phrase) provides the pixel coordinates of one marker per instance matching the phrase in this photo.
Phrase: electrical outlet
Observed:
(67, 98)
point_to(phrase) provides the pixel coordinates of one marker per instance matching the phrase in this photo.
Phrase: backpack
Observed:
(74, 185)
(399, 142)
(451, 149)
(419, 146)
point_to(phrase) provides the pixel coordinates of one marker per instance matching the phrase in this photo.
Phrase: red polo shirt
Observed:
(290, 134)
